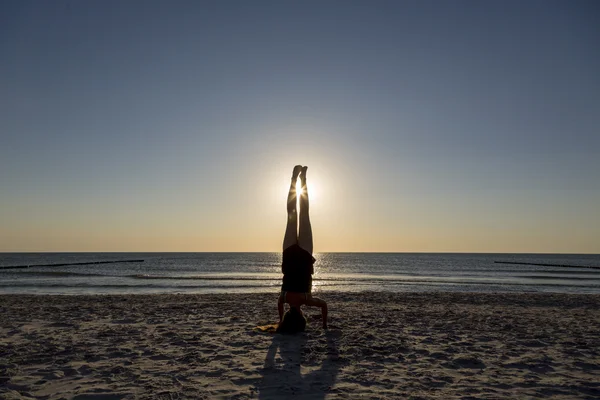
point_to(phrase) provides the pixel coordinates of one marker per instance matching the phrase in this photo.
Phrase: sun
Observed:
(313, 189)
(298, 187)
(310, 188)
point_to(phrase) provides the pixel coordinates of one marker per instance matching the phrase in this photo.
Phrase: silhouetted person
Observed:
(297, 265)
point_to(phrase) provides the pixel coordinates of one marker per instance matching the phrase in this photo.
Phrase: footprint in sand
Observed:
(98, 396)
(465, 362)
(124, 321)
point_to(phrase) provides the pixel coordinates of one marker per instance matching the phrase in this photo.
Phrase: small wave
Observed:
(570, 278)
(55, 273)
(536, 271)
(202, 277)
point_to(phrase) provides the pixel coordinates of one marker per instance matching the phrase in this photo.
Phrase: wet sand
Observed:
(379, 346)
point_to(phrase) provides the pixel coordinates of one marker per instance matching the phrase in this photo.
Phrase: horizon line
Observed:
(280, 251)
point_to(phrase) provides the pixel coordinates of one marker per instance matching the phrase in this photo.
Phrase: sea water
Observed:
(261, 272)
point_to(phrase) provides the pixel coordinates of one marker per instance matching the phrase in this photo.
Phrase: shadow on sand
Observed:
(299, 353)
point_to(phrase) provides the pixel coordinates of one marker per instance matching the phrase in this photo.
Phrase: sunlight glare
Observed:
(310, 189)
(284, 186)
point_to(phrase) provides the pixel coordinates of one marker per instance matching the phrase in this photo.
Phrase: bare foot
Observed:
(303, 174)
(296, 172)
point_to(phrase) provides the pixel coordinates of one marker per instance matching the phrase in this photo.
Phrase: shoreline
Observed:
(341, 295)
(379, 345)
(543, 289)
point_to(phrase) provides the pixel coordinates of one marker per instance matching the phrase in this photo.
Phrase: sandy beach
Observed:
(379, 345)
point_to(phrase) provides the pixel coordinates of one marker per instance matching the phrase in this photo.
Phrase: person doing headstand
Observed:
(297, 265)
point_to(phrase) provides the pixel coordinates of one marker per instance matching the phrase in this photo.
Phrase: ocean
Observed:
(261, 272)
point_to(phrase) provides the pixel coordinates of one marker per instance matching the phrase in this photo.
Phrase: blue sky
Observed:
(426, 125)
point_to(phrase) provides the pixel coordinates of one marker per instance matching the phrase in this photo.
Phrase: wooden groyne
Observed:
(546, 265)
(67, 264)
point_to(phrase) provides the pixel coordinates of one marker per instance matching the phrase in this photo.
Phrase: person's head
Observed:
(293, 321)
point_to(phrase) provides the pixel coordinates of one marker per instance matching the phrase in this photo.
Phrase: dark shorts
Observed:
(297, 268)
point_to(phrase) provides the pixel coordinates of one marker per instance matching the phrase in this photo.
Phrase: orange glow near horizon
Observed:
(343, 220)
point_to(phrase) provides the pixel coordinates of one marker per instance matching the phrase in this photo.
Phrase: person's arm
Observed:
(280, 307)
(316, 302)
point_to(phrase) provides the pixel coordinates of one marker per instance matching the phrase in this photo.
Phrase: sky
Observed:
(427, 126)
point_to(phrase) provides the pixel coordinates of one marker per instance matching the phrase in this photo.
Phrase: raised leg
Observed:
(305, 238)
(291, 231)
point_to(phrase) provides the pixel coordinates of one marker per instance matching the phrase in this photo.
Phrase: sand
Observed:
(379, 346)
